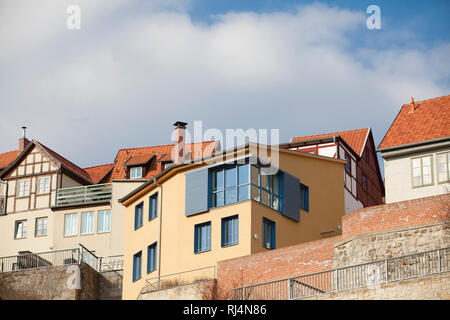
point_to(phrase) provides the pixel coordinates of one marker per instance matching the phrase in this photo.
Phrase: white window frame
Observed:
(73, 224)
(23, 188)
(136, 173)
(43, 181)
(44, 227)
(102, 215)
(90, 216)
(446, 156)
(23, 229)
(422, 184)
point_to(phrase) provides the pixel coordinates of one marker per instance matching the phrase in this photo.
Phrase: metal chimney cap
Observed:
(180, 124)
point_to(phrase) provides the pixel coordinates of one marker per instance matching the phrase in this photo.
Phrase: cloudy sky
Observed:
(136, 67)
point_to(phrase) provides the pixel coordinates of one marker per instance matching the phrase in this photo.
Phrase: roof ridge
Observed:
(332, 133)
(8, 152)
(407, 104)
(100, 165)
(165, 145)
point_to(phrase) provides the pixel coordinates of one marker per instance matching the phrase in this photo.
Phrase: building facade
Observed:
(198, 213)
(416, 151)
(363, 183)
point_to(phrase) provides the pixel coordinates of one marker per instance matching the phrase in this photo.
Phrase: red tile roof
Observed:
(97, 173)
(67, 164)
(139, 159)
(354, 138)
(430, 120)
(8, 157)
(163, 151)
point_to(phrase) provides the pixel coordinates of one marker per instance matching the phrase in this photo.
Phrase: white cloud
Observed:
(132, 71)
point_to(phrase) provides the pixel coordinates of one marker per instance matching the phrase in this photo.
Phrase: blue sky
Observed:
(136, 67)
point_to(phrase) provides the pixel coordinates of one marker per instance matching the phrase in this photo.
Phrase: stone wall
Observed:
(110, 285)
(193, 291)
(51, 283)
(56, 283)
(380, 245)
(435, 287)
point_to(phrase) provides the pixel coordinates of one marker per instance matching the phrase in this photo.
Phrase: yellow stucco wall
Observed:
(324, 177)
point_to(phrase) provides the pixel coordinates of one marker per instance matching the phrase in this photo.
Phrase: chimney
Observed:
(179, 148)
(413, 105)
(23, 141)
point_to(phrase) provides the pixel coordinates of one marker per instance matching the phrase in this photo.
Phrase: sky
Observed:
(135, 67)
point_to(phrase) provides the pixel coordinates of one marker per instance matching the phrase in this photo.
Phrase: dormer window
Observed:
(136, 173)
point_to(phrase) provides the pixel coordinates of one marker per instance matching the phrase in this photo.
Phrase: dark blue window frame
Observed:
(268, 232)
(270, 194)
(153, 206)
(137, 266)
(230, 231)
(202, 237)
(151, 257)
(138, 215)
(229, 183)
(304, 197)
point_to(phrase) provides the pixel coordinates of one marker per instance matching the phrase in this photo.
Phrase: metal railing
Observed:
(84, 194)
(111, 263)
(89, 257)
(29, 260)
(351, 277)
(179, 279)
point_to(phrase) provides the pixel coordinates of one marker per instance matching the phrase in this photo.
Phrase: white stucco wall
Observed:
(398, 178)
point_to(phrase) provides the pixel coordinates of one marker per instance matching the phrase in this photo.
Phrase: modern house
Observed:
(51, 204)
(363, 183)
(196, 213)
(416, 151)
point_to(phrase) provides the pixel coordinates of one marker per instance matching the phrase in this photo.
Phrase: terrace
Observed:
(97, 194)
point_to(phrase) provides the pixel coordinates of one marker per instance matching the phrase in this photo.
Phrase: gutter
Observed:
(414, 144)
(159, 228)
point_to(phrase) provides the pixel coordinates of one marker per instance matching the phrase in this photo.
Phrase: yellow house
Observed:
(194, 214)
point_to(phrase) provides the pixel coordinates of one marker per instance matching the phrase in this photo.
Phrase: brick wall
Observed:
(365, 237)
(304, 258)
(396, 215)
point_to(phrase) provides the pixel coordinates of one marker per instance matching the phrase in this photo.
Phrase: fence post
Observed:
(386, 270)
(439, 260)
(336, 279)
(290, 289)
(243, 294)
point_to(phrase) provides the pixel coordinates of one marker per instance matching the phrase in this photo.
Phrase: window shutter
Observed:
(208, 237)
(291, 188)
(196, 192)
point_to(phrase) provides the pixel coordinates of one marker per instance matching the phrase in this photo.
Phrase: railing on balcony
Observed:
(351, 277)
(83, 195)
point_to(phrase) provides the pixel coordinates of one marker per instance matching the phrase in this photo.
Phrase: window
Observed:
(151, 258)
(137, 266)
(268, 234)
(230, 231)
(230, 184)
(153, 207)
(41, 227)
(443, 167)
(138, 215)
(348, 165)
(87, 222)
(23, 188)
(43, 185)
(422, 171)
(304, 197)
(364, 182)
(104, 221)
(267, 189)
(20, 231)
(70, 224)
(136, 173)
(202, 237)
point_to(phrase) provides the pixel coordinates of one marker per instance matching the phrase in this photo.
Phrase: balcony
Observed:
(86, 195)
